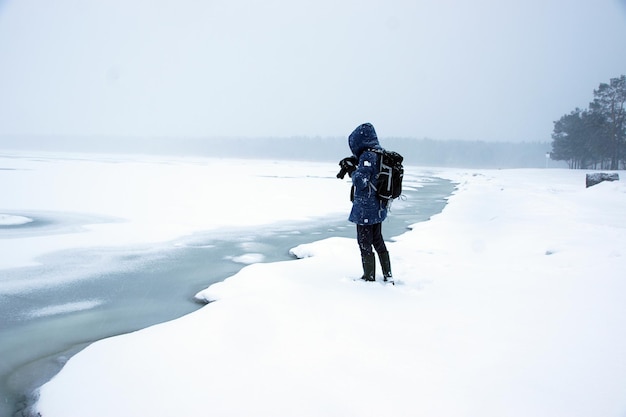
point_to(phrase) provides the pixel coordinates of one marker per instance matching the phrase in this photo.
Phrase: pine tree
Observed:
(609, 104)
(595, 137)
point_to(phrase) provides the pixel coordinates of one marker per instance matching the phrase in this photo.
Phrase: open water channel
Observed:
(42, 328)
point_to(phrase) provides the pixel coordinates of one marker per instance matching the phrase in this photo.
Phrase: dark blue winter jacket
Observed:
(366, 207)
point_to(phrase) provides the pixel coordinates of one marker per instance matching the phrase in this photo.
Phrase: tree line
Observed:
(594, 138)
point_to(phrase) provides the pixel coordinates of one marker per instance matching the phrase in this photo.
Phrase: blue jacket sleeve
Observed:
(365, 172)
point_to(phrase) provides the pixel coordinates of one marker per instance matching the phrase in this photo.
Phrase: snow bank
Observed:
(509, 303)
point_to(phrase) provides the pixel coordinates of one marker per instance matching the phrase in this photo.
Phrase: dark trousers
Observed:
(369, 236)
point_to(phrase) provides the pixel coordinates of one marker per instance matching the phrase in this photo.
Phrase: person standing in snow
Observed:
(368, 211)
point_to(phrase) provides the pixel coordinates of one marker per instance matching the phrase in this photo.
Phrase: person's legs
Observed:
(377, 238)
(383, 255)
(365, 238)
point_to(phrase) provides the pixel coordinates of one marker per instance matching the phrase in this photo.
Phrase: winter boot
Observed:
(369, 268)
(385, 264)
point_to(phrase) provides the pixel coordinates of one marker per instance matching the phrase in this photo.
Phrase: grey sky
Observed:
(444, 69)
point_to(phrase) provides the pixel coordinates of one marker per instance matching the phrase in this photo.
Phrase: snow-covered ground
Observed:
(509, 303)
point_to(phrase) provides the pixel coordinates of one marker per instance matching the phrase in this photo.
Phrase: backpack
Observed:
(390, 174)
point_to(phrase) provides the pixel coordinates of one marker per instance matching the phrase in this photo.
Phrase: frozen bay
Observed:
(53, 304)
(509, 302)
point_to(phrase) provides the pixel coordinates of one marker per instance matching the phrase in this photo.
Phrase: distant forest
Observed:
(594, 137)
(419, 152)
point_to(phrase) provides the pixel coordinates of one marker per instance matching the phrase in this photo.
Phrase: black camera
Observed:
(348, 166)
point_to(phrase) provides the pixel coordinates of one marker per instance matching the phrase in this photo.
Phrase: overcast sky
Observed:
(442, 69)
